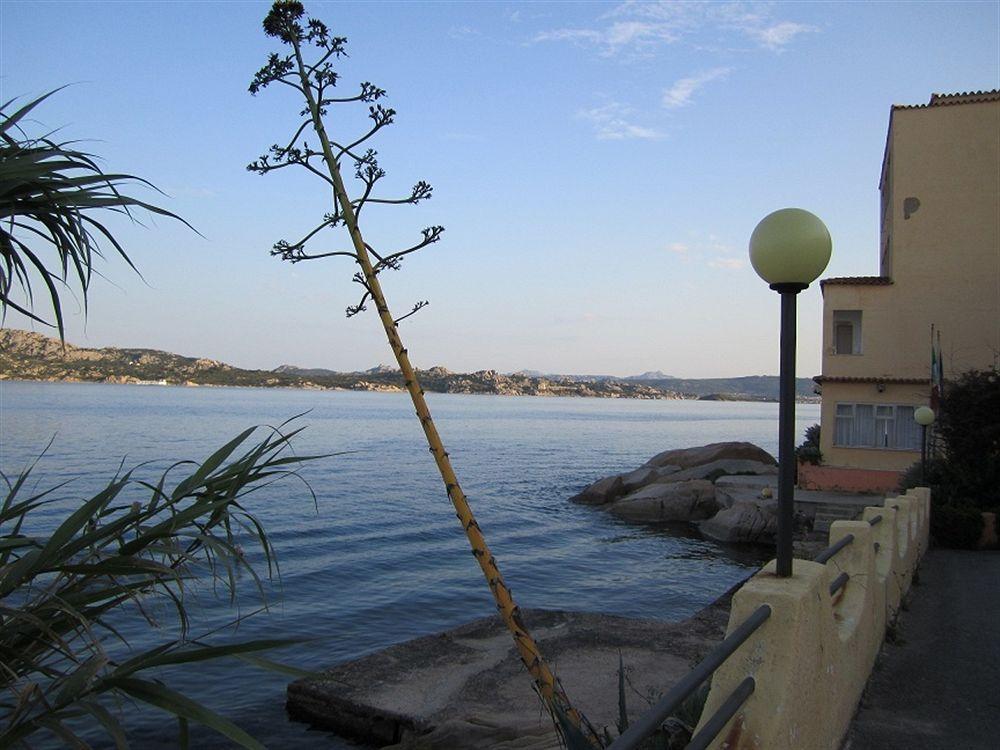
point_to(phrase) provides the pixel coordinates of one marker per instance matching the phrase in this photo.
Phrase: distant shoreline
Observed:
(29, 356)
(398, 390)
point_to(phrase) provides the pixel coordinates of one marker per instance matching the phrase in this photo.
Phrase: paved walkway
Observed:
(938, 686)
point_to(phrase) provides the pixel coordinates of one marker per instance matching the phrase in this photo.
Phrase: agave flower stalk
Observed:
(312, 81)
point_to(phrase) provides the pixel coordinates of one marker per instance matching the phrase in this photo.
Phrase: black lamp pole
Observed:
(789, 248)
(925, 418)
(923, 454)
(786, 427)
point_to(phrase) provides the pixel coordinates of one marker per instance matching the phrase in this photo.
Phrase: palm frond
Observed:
(50, 193)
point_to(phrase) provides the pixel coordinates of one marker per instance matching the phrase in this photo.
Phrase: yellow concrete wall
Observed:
(945, 257)
(812, 658)
(945, 267)
(866, 393)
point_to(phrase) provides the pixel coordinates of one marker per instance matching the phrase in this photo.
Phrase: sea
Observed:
(369, 550)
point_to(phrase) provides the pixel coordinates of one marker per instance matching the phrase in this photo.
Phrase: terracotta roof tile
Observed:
(887, 380)
(857, 281)
(965, 97)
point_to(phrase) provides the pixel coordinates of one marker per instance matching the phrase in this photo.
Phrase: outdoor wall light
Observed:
(789, 249)
(790, 246)
(923, 416)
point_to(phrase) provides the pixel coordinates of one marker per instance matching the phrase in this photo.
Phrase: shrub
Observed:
(808, 451)
(969, 428)
(939, 476)
(958, 525)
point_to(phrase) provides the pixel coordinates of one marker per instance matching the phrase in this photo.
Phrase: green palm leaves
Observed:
(60, 592)
(49, 234)
(136, 544)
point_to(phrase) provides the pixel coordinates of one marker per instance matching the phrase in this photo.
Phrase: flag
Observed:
(937, 369)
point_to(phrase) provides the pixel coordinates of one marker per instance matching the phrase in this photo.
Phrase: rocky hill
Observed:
(26, 355)
(31, 356)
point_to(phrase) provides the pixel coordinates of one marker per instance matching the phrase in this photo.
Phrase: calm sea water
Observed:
(382, 558)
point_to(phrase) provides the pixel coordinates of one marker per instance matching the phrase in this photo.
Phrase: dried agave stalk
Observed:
(313, 81)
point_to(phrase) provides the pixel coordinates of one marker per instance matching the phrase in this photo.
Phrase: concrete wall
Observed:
(841, 479)
(945, 254)
(941, 226)
(812, 658)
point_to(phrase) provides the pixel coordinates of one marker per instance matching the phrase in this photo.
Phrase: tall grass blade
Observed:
(180, 705)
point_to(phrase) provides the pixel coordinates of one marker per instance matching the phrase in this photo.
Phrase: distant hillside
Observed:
(654, 375)
(31, 356)
(754, 387)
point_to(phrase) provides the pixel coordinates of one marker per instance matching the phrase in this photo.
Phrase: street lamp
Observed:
(789, 249)
(923, 416)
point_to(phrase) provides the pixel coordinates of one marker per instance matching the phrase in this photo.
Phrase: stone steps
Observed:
(827, 513)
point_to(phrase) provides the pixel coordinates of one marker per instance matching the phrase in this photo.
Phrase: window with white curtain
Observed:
(887, 426)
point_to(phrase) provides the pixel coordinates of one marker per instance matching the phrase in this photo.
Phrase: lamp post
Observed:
(923, 416)
(789, 249)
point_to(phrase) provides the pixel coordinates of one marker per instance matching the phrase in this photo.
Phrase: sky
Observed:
(598, 168)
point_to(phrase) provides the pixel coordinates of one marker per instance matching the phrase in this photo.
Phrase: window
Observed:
(847, 331)
(889, 426)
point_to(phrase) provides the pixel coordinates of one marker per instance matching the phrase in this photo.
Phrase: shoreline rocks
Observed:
(723, 488)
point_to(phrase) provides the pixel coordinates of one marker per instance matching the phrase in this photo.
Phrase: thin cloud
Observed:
(463, 32)
(776, 37)
(612, 122)
(569, 35)
(640, 28)
(678, 247)
(727, 264)
(637, 33)
(634, 36)
(679, 95)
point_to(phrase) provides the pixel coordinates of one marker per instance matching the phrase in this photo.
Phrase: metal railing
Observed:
(726, 711)
(650, 721)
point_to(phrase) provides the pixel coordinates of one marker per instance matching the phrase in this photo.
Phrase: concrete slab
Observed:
(807, 502)
(466, 688)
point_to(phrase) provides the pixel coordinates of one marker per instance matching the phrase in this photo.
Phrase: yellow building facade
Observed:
(939, 269)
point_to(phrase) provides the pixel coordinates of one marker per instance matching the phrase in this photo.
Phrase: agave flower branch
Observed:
(313, 81)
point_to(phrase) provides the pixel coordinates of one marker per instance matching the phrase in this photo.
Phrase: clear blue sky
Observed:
(598, 167)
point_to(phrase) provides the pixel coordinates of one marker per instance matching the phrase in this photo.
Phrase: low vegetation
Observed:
(964, 475)
(808, 451)
(135, 545)
(132, 549)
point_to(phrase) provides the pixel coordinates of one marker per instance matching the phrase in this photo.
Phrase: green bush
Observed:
(969, 428)
(959, 526)
(939, 476)
(808, 451)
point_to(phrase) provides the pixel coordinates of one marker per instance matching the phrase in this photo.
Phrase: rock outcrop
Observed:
(697, 485)
(689, 500)
(686, 458)
(745, 521)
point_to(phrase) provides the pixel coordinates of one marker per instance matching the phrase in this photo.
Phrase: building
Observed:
(939, 270)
